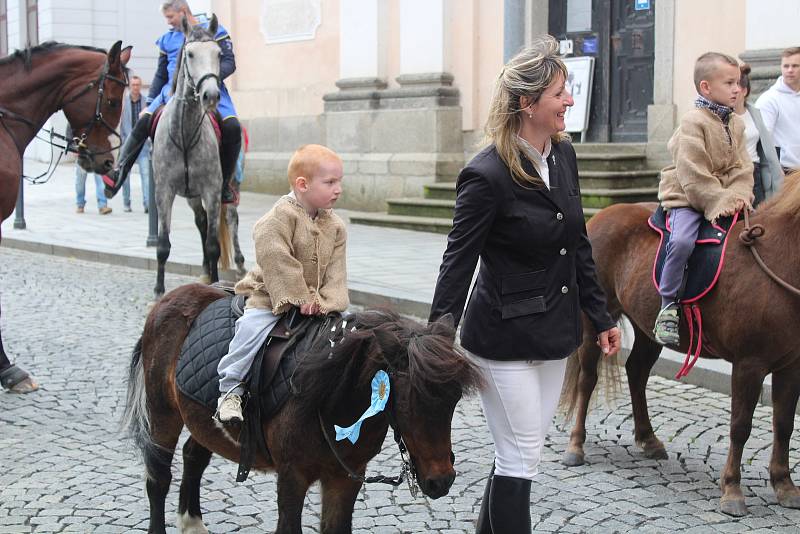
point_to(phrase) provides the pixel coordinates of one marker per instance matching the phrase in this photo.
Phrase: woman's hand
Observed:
(609, 341)
(310, 308)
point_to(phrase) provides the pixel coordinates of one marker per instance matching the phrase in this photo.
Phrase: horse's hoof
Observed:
(205, 279)
(16, 380)
(790, 500)
(573, 459)
(735, 508)
(656, 454)
(28, 385)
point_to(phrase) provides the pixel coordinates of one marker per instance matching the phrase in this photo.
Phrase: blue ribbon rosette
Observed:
(380, 395)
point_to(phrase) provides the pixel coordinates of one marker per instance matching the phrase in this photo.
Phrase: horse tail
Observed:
(609, 379)
(136, 419)
(224, 238)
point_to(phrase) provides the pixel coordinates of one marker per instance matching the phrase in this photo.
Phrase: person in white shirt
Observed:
(780, 109)
(767, 171)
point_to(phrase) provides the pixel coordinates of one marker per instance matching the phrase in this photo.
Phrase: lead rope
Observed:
(748, 237)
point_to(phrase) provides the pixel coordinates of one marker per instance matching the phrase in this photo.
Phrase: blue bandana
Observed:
(723, 112)
(380, 395)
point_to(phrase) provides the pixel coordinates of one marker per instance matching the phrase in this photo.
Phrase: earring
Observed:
(530, 115)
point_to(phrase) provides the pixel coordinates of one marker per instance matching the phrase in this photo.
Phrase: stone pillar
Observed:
(661, 115)
(513, 27)
(394, 140)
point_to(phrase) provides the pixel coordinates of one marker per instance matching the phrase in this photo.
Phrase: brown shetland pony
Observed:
(746, 320)
(87, 84)
(428, 377)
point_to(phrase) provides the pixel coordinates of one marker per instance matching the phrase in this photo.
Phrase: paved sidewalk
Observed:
(386, 267)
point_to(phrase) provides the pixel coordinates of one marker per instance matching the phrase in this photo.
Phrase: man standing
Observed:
(132, 107)
(780, 109)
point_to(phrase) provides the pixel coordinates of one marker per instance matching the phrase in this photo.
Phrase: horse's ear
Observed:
(113, 53)
(185, 28)
(213, 25)
(387, 341)
(125, 55)
(444, 326)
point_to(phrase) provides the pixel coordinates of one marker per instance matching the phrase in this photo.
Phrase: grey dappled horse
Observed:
(186, 158)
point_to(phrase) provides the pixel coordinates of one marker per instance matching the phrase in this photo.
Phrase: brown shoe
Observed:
(105, 210)
(79, 209)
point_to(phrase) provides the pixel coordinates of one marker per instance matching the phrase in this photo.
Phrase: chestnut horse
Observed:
(743, 319)
(427, 378)
(87, 84)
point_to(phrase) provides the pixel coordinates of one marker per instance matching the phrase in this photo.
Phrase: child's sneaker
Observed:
(667, 322)
(229, 409)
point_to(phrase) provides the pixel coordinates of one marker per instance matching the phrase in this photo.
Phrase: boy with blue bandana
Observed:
(169, 46)
(712, 176)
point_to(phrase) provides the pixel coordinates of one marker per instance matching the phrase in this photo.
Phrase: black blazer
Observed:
(536, 271)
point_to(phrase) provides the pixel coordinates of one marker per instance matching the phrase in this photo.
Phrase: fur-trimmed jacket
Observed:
(710, 172)
(298, 260)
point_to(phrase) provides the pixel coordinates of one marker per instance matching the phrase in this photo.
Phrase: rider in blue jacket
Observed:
(169, 46)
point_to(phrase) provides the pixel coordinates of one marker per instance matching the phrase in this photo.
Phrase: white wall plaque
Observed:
(284, 21)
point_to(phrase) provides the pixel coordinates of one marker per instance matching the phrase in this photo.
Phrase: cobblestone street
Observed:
(65, 467)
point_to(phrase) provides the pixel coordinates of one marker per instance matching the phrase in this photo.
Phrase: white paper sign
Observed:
(579, 83)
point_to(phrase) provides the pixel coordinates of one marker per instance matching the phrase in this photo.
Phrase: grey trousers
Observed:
(250, 332)
(685, 223)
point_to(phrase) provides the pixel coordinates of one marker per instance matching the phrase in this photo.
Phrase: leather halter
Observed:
(76, 145)
(748, 237)
(408, 470)
(185, 145)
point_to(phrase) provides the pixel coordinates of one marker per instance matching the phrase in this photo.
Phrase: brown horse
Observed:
(427, 378)
(87, 84)
(743, 319)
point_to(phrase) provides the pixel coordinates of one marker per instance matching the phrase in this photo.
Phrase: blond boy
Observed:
(300, 261)
(712, 176)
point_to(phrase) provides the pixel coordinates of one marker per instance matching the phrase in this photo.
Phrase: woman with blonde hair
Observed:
(518, 209)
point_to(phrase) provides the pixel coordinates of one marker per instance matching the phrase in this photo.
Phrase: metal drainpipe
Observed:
(513, 27)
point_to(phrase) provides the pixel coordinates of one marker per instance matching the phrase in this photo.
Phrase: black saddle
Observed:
(269, 383)
(706, 261)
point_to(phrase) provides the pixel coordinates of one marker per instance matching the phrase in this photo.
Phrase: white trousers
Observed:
(250, 332)
(519, 402)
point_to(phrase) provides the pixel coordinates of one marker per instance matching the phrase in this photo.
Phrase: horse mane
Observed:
(197, 33)
(26, 54)
(787, 200)
(436, 369)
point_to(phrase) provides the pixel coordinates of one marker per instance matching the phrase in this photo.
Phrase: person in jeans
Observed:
(133, 106)
(80, 192)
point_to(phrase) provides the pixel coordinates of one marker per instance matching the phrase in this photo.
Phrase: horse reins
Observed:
(76, 145)
(407, 472)
(748, 237)
(195, 137)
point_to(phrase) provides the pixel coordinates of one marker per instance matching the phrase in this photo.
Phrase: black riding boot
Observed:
(229, 152)
(510, 505)
(128, 154)
(484, 526)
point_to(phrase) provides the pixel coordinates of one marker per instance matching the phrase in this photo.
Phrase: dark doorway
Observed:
(622, 39)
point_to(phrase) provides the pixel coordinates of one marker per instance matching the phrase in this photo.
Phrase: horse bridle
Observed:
(98, 120)
(408, 470)
(76, 145)
(183, 146)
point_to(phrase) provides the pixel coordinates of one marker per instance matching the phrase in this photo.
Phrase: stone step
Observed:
(638, 149)
(611, 161)
(440, 191)
(422, 207)
(600, 198)
(422, 224)
(619, 179)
